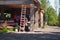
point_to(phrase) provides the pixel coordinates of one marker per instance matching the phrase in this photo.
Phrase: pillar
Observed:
(31, 18)
(36, 19)
(41, 18)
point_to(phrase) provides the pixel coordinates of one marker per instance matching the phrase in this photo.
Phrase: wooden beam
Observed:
(17, 6)
(36, 19)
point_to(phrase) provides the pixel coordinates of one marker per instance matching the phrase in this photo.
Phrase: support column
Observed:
(36, 19)
(41, 18)
(31, 18)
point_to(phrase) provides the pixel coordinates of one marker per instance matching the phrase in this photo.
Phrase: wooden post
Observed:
(36, 19)
(41, 18)
(31, 18)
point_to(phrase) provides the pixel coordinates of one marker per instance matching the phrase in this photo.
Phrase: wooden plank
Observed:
(17, 6)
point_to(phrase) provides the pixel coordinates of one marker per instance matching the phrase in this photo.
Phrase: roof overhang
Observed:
(17, 2)
(14, 6)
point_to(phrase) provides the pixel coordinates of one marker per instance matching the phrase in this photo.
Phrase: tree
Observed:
(52, 16)
(44, 4)
(59, 20)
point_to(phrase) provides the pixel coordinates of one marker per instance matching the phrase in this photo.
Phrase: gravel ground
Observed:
(52, 33)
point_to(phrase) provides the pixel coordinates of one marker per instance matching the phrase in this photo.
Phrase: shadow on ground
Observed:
(55, 33)
(24, 36)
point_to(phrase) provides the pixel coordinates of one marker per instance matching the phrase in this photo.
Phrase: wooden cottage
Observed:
(27, 10)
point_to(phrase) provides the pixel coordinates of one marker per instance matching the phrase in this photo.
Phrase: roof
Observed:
(16, 2)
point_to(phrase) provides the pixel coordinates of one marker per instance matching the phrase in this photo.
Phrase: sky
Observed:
(52, 3)
(55, 5)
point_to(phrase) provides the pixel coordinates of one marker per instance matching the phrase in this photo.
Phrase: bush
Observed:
(10, 30)
(4, 28)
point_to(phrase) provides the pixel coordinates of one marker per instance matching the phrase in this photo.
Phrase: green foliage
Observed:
(59, 20)
(52, 16)
(44, 4)
(10, 30)
(4, 28)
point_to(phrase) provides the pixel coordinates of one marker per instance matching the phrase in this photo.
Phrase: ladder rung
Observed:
(22, 20)
(22, 17)
(23, 14)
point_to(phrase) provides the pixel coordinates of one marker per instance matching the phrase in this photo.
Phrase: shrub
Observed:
(4, 27)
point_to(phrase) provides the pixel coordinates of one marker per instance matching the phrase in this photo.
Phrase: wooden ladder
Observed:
(23, 18)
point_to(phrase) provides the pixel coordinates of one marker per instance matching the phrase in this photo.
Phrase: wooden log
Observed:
(31, 18)
(36, 19)
(41, 18)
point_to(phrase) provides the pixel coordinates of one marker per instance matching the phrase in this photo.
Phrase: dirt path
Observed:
(49, 33)
(49, 29)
